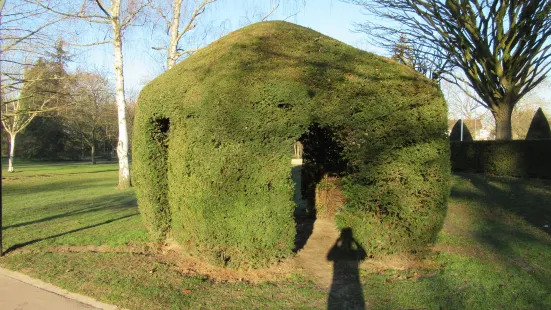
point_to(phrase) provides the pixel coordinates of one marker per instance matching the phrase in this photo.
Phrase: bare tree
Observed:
(119, 16)
(274, 5)
(181, 17)
(414, 55)
(501, 46)
(23, 43)
(91, 114)
(264, 10)
(461, 105)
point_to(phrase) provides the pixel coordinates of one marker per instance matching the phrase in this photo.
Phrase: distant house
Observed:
(477, 129)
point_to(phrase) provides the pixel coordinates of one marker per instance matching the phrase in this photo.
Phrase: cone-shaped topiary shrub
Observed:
(213, 138)
(539, 127)
(455, 135)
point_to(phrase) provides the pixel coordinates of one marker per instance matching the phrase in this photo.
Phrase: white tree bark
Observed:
(12, 152)
(15, 119)
(111, 15)
(188, 23)
(173, 44)
(122, 146)
(176, 33)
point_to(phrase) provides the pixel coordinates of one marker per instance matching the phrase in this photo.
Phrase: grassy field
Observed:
(69, 225)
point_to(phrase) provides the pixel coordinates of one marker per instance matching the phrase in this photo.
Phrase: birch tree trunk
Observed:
(189, 23)
(12, 152)
(122, 146)
(173, 44)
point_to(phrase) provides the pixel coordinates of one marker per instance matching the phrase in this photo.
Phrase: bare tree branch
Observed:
(501, 46)
(273, 9)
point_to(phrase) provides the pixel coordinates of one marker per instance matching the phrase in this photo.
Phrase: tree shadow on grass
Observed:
(10, 189)
(108, 202)
(21, 245)
(512, 195)
(501, 268)
(504, 204)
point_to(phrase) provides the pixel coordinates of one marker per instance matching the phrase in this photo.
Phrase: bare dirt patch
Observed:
(188, 265)
(312, 259)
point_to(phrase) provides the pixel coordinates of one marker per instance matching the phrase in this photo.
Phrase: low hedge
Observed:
(213, 138)
(519, 158)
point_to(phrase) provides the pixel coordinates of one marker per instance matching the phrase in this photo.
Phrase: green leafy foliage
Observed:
(43, 86)
(520, 158)
(218, 177)
(455, 135)
(539, 127)
(45, 138)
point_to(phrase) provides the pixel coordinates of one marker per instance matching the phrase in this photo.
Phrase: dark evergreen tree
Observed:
(539, 127)
(455, 135)
(46, 137)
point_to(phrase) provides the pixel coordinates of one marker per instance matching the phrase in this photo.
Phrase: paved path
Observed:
(18, 291)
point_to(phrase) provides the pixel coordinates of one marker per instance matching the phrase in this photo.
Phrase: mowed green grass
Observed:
(51, 210)
(68, 205)
(493, 251)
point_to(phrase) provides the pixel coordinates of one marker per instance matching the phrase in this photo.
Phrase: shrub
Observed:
(518, 158)
(218, 176)
(455, 135)
(539, 127)
(329, 198)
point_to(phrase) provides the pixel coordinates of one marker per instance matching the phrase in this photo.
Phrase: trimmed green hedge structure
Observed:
(517, 158)
(213, 138)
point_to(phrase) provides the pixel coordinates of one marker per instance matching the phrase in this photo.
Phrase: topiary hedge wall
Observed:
(212, 141)
(518, 158)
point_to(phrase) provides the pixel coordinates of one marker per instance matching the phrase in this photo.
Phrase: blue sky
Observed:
(141, 64)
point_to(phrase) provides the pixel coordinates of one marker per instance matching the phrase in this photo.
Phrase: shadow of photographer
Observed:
(346, 288)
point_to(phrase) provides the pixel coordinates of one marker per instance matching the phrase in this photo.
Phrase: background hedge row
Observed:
(519, 158)
(218, 179)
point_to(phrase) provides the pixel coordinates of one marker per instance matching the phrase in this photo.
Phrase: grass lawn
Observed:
(68, 225)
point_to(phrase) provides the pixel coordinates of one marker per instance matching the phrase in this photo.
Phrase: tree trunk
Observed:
(93, 154)
(173, 44)
(502, 116)
(122, 146)
(12, 152)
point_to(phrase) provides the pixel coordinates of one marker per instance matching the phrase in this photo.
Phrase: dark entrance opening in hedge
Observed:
(160, 130)
(162, 125)
(322, 160)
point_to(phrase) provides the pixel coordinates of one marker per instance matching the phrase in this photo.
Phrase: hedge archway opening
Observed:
(321, 159)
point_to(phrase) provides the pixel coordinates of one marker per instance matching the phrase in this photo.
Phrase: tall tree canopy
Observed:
(501, 46)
